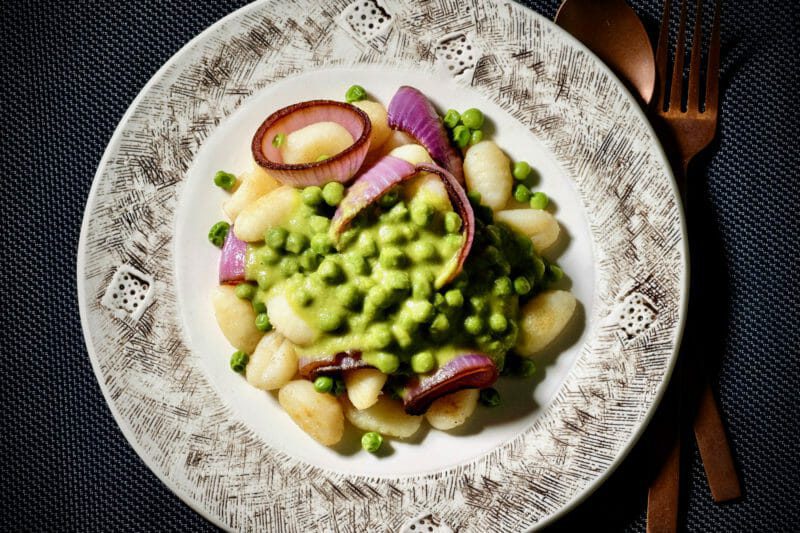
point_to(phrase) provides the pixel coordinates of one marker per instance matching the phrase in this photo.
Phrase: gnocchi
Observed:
(252, 185)
(452, 410)
(267, 212)
(364, 386)
(386, 416)
(236, 318)
(379, 119)
(487, 170)
(542, 319)
(288, 322)
(318, 414)
(308, 144)
(273, 363)
(540, 225)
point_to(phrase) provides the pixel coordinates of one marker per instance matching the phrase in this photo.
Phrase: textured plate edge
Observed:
(116, 138)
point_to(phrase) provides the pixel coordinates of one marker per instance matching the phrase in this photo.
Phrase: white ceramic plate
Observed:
(145, 270)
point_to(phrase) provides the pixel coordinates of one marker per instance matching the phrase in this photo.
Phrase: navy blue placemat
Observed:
(71, 68)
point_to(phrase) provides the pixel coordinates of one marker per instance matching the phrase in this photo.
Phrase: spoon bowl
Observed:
(613, 31)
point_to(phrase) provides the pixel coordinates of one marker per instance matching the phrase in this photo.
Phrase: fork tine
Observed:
(693, 100)
(712, 74)
(675, 92)
(661, 57)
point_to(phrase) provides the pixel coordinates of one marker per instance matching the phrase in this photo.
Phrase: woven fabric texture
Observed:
(70, 70)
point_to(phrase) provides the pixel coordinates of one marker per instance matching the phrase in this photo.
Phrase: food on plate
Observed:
(375, 268)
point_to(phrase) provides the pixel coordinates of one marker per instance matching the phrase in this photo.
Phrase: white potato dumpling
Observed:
(287, 322)
(379, 119)
(398, 138)
(540, 225)
(487, 170)
(364, 386)
(308, 144)
(452, 410)
(428, 187)
(318, 414)
(413, 153)
(252, 185)
(542, 319)
(236, 318)
(273, 363)
(387, 417)
(269, 211)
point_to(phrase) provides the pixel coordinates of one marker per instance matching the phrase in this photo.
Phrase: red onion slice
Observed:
(231, 262)
(462, 206)
(340, 167)
(467, 371)
(387, 172)
(411, 111)
(310, 368)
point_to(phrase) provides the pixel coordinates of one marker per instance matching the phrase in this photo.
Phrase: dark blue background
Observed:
(70, 70)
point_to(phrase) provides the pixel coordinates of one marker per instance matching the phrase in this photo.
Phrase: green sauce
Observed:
(373, 290)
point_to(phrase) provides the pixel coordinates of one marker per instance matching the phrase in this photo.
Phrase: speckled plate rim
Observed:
(132, 437)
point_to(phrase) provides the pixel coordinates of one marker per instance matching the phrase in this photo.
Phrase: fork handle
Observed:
(715, 451)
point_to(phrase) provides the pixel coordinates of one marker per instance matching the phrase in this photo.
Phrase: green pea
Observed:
(475, 137)
(421, 214)
(379, 336)
(349, 296)
(490, 397)
(421, 285)
(323, 384)
(330, 271)
(330, 319)
(472, 118)
(503, 286)
(366, 245)
(474, 197)
(391, 234)
(452, 242)
(379, 297)
(422, 362)
(452, 222)
(312, 196)
(389, 198)
(356, 265)
(239, 361)
(218, 233)
(264, 279)
(355, 93)
(276, 238)
(371, 441)
(224, 180)
(398, 281)
(454, 298)
(402, 335)
(461, 136)
(420, 311)
(539, 200)
(452, 118)
(296, 242)
(347, 237)
(521, 170)
(479, 303)
(333, 193)
(392, 257)
(321, 243)
(339, 387)
(438, 300)
(385, 362)
(554, 272)
(495, 235)
(262, 322)
(526, 368)
(278, 140)
(303, 297)
(289, 266)
(440, 324)
(473, 325)
(522, 286)
(498, 323)
(522, 193)
(398, 213)
(309, 260)
(422, 252)
(538, 267)
(269, 256)
(319, 223)
(245, 291)
(259, 306)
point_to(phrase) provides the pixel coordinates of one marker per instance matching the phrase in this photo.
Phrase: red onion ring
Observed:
(231, 262)
(339, 167)
(310, 368)
(467, 371)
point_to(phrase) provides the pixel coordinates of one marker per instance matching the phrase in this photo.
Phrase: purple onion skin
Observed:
(231, 262)
(467, 371)
(311, 368)
(411, 111)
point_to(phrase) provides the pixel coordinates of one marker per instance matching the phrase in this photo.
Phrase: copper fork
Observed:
(689, 131)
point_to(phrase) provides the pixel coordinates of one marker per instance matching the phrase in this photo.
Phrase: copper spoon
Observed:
(613, 31)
